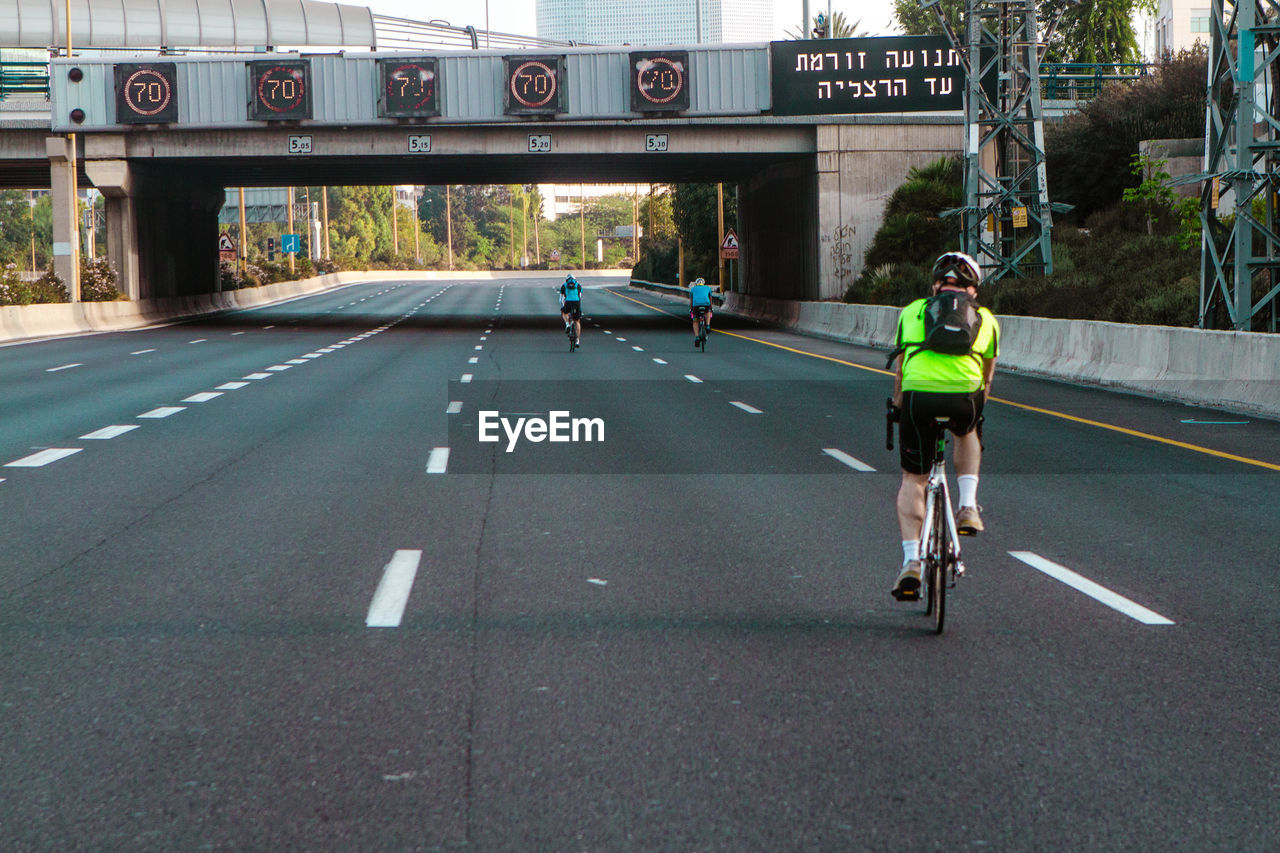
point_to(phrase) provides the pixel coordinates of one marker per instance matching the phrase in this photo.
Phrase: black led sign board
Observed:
(279, 90)
(535, 85)
(866, 75)
(146, 93)
(410, 88)
(659, 81)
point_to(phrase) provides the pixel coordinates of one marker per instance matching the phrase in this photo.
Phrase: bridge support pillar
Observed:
(859, 166)
(114, 179)
(66, 216)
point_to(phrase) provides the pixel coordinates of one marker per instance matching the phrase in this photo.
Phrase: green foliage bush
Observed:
(659, 260)
(97, 281)
(15, 291)
(1088, 154)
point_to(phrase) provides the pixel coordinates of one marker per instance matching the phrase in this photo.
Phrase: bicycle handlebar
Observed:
(891, 416)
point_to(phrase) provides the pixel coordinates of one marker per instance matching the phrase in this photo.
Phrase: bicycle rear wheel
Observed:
(937, 551)
(702, 335)
(938, 593)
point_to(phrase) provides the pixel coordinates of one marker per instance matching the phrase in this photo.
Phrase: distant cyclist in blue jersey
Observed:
(699, 303)
(571, 308)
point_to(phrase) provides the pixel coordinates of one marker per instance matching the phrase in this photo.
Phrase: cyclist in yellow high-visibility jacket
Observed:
(929, 384)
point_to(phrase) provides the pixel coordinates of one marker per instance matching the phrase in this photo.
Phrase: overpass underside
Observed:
(810, 197)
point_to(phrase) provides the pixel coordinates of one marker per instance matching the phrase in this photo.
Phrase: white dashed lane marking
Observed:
(202, 397)
(693, 378)
(840, 455)
(142, 352)
(387, 608)
(1096, 591)
(63, 367)
(455, 406)
(746, 407)
(110, 432)
(163, 412)
(44, 457)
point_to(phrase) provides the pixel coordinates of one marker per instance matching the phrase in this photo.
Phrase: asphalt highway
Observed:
(264, 587)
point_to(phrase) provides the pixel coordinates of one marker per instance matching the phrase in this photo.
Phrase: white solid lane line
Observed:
(44, 457)
(230, 386)
(63, 367)
(163, 412)
(387, 607)
(455, 406)
(202, 397)
(746, 407)
(855, 464)
(1096, 591)
(438, 461)
(110, 432)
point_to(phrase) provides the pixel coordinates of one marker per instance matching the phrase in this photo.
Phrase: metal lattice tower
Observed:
(1242, 154)
(1007, 218)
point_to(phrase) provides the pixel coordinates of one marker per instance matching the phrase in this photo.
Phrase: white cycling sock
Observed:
(968, 485)
(910, 551)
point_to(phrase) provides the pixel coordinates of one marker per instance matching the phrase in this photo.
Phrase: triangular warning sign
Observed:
(730, 240)
(224, 243)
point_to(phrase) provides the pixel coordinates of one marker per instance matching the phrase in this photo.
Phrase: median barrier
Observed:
(1237, 371)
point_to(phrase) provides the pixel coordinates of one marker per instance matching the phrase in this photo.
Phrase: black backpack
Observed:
(951, 325)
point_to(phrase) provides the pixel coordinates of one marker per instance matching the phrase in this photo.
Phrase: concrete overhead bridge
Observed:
(162, 136)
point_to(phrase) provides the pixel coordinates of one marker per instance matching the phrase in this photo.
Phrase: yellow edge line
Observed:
(1099, 424)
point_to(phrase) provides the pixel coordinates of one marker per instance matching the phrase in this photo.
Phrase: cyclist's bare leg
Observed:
(911, 504)
(968, 453)
(577, 330)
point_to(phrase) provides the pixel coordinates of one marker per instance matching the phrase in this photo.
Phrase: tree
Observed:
(1094, 31)
(694, 210)
(1089, 154)
(915, 21)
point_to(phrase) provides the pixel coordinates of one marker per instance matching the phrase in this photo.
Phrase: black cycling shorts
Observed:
(698, 309)
(918, 427)
(573, 308)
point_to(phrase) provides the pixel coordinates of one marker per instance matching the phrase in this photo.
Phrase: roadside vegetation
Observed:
(1129, 250)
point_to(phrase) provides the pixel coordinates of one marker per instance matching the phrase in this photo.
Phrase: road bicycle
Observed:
(702, 327)
(571, 329)
(940, 562)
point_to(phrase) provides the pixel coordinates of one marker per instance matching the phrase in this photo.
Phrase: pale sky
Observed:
(517, 16)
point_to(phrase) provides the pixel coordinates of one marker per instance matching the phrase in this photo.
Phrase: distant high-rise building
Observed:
(655, 21)
(1179, 24)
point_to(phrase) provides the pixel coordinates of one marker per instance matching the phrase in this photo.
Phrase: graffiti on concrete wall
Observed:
(842, 256)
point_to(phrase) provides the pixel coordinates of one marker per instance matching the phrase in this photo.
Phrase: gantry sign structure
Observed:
(1240, 259)
(1007, 218)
